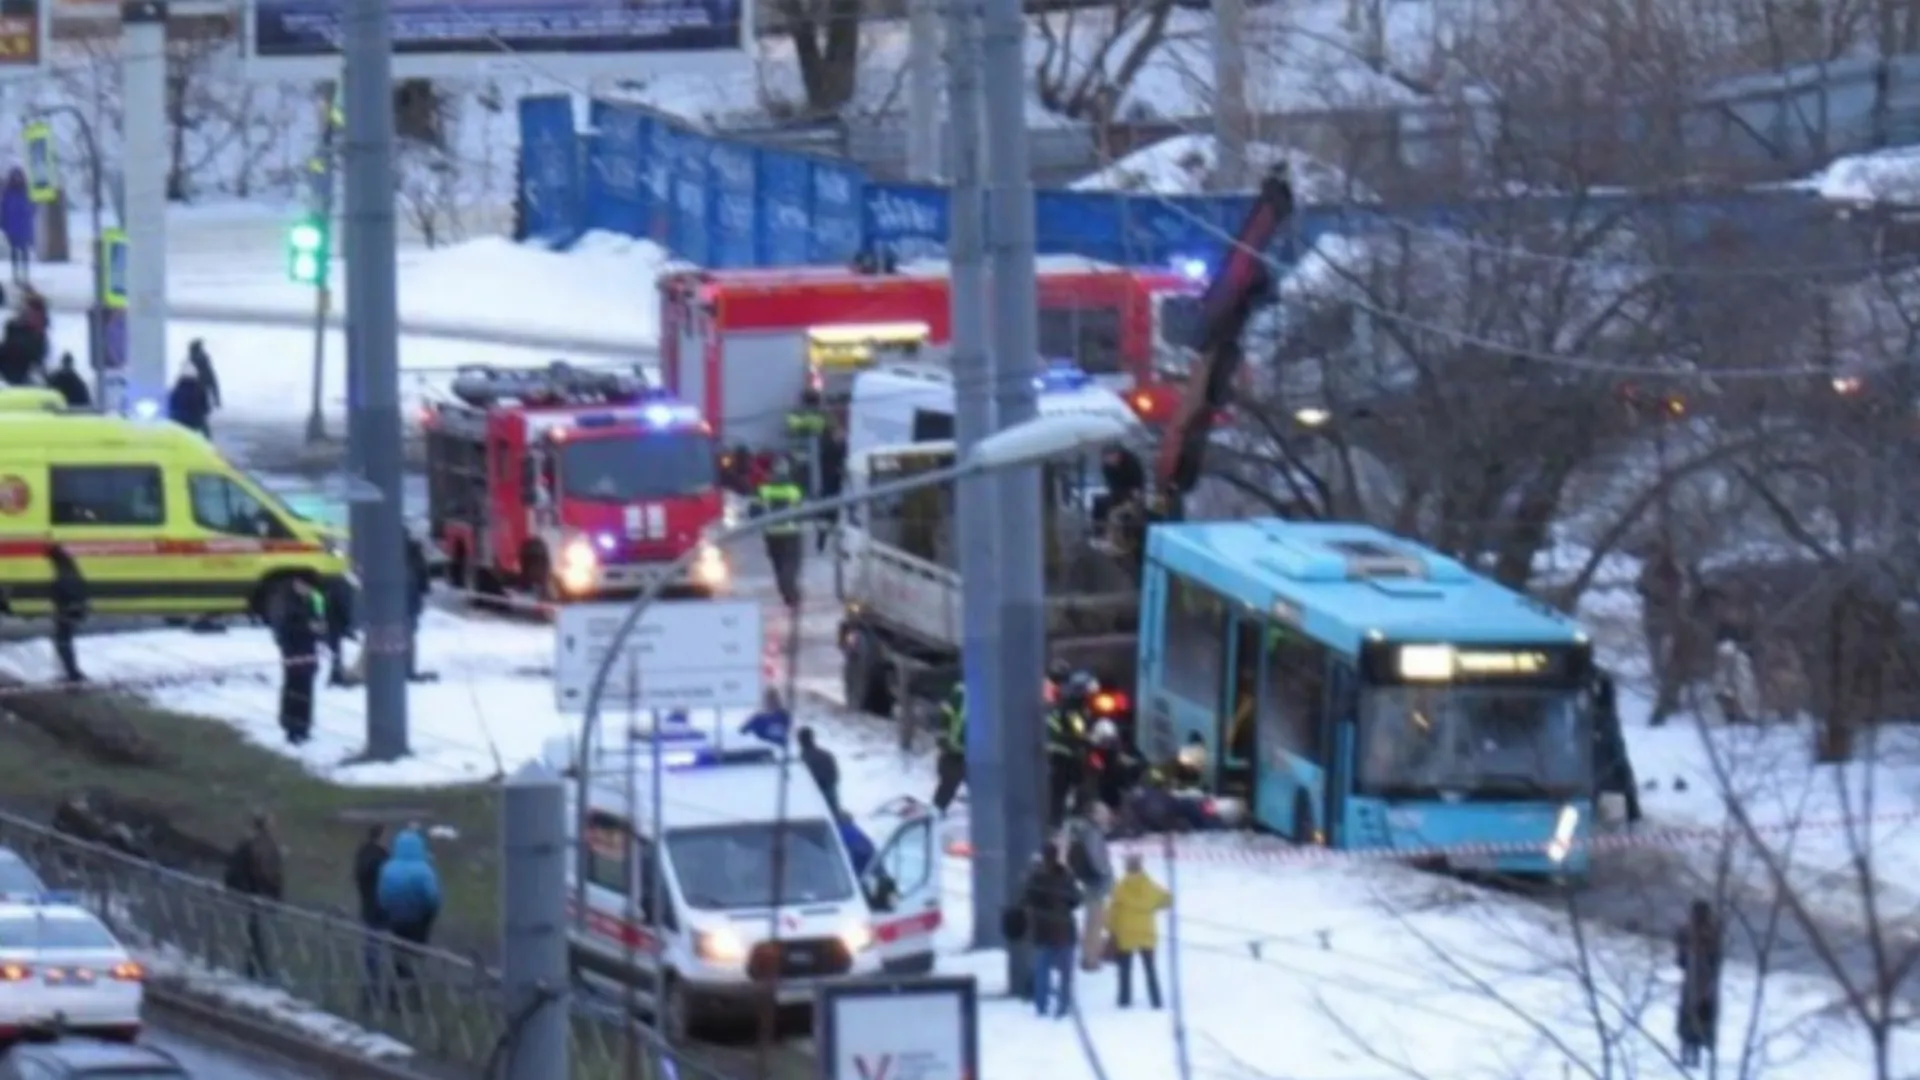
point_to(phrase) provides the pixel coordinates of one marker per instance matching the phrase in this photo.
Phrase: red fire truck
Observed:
(744, 344)
(566, 483)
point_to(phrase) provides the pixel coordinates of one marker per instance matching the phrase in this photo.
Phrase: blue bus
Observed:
(1357, 690)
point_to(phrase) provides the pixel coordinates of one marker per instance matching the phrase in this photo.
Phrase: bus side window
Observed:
(1193, 639)
(1293, 703)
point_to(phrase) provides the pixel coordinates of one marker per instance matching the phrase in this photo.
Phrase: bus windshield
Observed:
(730, 867)
(1488, 743)
(631, 468)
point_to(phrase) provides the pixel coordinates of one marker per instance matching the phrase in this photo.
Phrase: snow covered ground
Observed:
(233, 257)
(1377, 970)
(229, 262)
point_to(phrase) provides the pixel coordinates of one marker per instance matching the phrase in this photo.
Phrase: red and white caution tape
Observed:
(1246, 849)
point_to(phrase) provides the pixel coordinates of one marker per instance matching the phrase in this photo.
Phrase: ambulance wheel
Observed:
(1302, 821)
(674, 1013)
(863, 675)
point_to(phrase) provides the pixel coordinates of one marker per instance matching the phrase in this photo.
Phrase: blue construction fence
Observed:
(722, 203)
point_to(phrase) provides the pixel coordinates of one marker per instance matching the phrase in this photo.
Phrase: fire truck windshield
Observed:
(627, 467)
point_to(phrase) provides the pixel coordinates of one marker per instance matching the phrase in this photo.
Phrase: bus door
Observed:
(1239, 713)
(1340, 732)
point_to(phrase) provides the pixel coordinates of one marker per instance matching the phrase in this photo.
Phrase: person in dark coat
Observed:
(188, 404)
(23, 343)
(71, 384)
(68, 597)
(255, 870)
(1050, 897)
(202, 367)
(368, 858)
(17, 221)
(336, 618)
(296, 631)
(1700, 952)
(419, 586)
(821, 765)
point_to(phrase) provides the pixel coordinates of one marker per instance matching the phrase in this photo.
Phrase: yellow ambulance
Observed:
(158, 521)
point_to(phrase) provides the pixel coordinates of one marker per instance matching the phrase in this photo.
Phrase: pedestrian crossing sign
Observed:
(43, 168)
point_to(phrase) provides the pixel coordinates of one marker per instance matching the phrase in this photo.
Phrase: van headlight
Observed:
(857, 937)
(720, 946)
(578, 564)
(710, 567)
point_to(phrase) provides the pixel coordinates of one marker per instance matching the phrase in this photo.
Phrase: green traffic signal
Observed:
(307, 252)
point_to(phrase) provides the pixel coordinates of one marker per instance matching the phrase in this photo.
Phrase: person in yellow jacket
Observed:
(1133, 913)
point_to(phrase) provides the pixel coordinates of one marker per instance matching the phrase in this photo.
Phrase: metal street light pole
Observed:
(96, 188)
(1025, 445)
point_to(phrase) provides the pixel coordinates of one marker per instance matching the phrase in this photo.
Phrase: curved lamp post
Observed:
(1030, 443)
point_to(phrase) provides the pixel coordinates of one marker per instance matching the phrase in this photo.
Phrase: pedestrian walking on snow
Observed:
(1133, 923)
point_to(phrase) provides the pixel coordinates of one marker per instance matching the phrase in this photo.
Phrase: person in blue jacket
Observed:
(772, 724)
(859, 845)
(409, 889)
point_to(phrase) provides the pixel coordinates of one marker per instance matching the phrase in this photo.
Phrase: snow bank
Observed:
(605, 282)
(270, 1005)
(1882, 176)
(1185, 164)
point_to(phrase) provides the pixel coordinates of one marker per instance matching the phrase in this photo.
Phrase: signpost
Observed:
(898, 1029)
(684, 654)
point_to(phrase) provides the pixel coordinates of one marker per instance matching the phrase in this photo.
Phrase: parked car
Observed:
(18, 882)
(65, 1058)
(61, 967)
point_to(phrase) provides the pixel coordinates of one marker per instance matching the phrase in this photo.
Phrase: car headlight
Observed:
(719, 946)
(577, 565)
(857, 937)
(710, 568)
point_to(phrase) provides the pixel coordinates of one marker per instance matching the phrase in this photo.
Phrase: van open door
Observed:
(903, 884)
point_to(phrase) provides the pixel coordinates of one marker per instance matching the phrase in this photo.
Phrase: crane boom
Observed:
(1238, 287)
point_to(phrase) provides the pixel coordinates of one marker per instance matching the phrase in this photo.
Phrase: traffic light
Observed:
(309, 249)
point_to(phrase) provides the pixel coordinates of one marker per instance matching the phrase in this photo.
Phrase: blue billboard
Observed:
(445, 38)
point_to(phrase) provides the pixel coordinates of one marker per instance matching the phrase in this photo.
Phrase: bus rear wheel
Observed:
(1303, 830)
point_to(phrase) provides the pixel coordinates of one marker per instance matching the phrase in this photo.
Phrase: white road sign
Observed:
(684, 654)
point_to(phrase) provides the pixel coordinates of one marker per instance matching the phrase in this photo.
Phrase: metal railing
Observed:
(449, 1009)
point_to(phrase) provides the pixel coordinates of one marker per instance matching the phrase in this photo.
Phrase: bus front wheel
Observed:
(1303, 831)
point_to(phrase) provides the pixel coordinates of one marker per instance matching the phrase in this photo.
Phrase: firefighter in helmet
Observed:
(1067, 724)
(784, 546)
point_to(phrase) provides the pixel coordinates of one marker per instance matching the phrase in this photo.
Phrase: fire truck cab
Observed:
(569, 484)
(742, 345)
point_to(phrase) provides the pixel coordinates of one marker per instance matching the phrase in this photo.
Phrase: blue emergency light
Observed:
(596, 420)
(658, 415)
(1192, 269)
(1061, 376)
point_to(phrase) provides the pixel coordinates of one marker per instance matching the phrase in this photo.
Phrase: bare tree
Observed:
(1089, 59)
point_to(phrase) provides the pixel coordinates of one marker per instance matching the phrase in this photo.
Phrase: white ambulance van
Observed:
(719, 925)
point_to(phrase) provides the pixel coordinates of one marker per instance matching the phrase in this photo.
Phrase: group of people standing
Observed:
(1076, 914)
